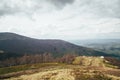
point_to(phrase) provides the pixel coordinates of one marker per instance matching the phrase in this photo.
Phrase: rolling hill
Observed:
(109, 46)
(13, 45)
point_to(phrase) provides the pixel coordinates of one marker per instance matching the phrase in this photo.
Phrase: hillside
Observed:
(12, 45)
(87, 68)
(109, 46)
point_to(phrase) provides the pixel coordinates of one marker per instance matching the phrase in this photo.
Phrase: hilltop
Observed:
(82, 68)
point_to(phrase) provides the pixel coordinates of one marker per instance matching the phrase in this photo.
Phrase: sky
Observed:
(61, 19)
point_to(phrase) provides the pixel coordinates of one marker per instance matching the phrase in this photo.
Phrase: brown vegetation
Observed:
(67, 67)
(68, 74)
(37, 58)
(89, 61)
(113, 61)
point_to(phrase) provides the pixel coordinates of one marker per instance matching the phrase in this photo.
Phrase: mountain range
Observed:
(15, 45)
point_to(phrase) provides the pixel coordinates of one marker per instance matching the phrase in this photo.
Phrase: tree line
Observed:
(37, 58)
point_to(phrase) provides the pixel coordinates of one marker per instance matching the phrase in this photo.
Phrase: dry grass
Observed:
(69, 74)
(13, 71)
(89, 61)
(87, 68)
(61, 74)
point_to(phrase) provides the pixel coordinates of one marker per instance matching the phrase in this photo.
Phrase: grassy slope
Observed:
(26, 67)
(71, 73)
(57, 71)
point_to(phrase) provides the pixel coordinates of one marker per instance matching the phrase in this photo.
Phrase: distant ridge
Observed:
(17, 45)
(10, 36)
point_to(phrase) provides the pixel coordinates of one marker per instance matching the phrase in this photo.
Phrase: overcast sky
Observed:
(61, 19)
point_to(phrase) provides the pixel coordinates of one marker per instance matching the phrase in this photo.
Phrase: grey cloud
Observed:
(6, 9)
(61, 3)
(19, 6)
(103, 8)
(11, 7)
